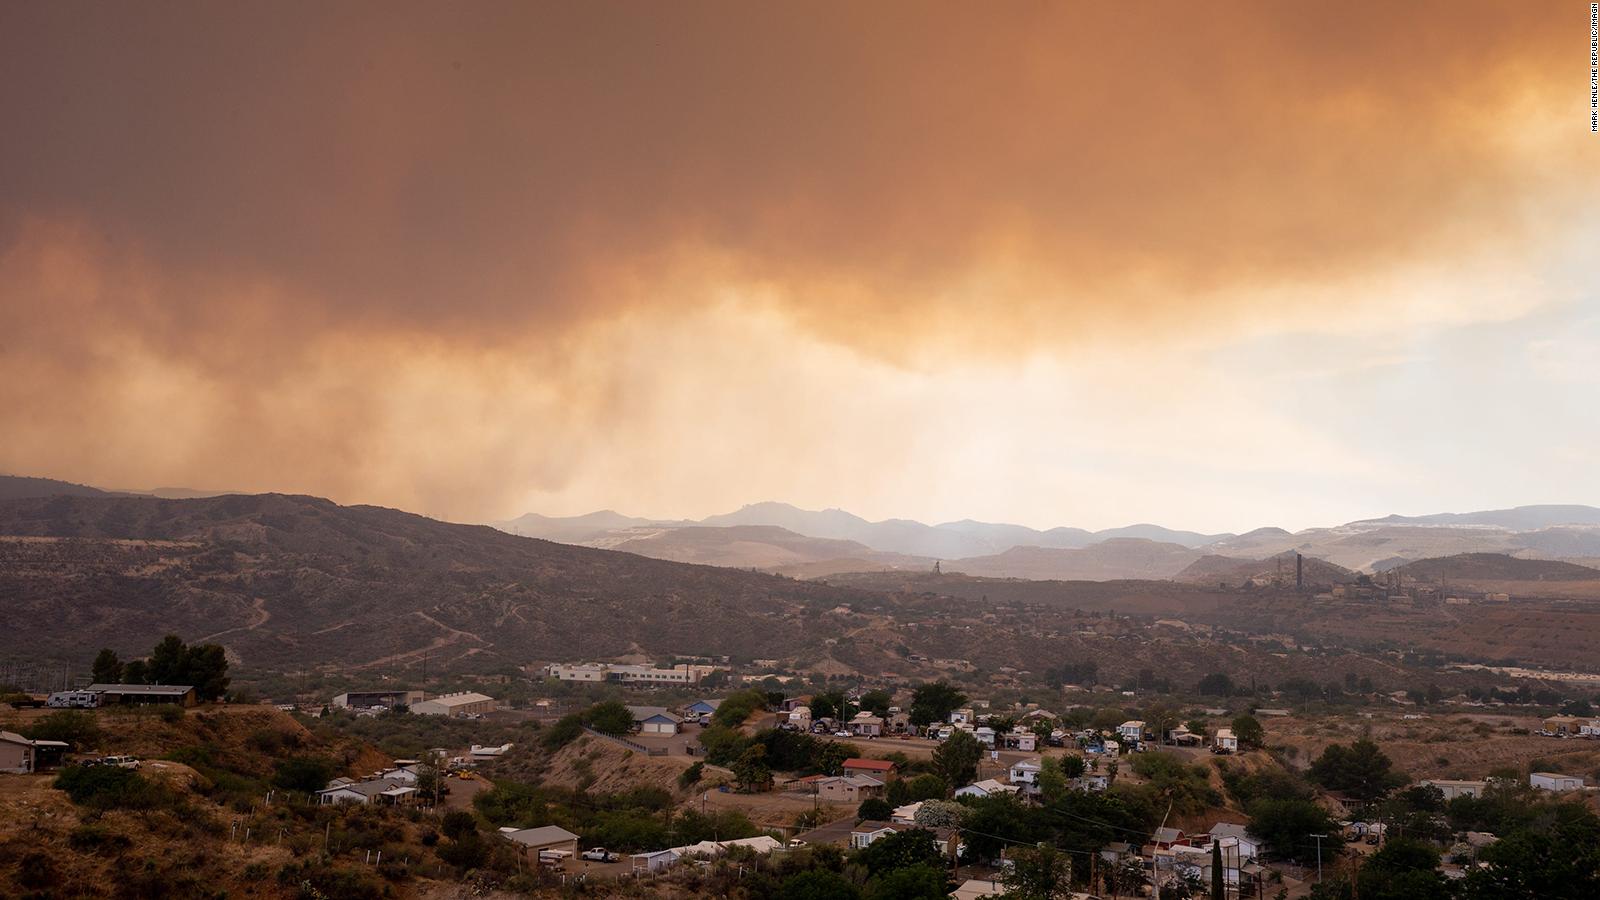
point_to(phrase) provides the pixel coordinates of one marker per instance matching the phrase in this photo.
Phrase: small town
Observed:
(626, 776)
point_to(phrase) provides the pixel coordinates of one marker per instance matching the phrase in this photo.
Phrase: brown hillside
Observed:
(284, 580)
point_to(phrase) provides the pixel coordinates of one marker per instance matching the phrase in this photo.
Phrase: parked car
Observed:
(599, 854)
(124, 762)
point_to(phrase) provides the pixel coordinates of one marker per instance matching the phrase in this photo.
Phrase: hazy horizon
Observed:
(1037, 264)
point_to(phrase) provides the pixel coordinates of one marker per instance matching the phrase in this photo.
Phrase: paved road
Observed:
(835, 832)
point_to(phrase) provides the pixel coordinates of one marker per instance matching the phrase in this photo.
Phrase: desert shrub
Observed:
(303, 773)
(735, 709)
(110, 787)
(468, 853)
(93, 837)
(74, 726)
(562, 732)
(691, 776)
(265, 740)
(457, 823)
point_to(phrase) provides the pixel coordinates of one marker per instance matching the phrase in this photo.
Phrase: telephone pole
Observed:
(1319, 838)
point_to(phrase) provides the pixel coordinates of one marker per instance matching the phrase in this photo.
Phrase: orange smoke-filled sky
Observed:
(1051, 263)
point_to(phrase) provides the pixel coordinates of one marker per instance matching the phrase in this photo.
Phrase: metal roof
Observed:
(169, 690)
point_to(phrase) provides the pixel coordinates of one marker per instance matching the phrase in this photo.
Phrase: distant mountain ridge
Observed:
(780, 537)
(949, 540)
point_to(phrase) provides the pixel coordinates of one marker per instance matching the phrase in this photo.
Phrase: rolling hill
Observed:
(1117, 558)
(1494, 567)
(287, 580)
(1215, 569)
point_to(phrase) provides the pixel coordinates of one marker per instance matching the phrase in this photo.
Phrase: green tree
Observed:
(1556, 854)
(956, 759)
(827, 705)
(610, 717)
(206, 667)
(1219, 885)
(169, 661)
(1403, 869)
(736, 708)
(750, 770)
(1360, 770)
(940, 814)
(107, 667)
(1039, 873)
(874, 809)
(563, 732)
(136, 671)
(877, 702)
(1287, 826)
(1052, 781)
(829, 757)
(1249, 732)
(818, 884)
(934, 701)
(902, 849)
(920, 882)
(1216, 684)
(1072, 766)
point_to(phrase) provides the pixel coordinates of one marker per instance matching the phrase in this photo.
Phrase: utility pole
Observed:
(1319, 838)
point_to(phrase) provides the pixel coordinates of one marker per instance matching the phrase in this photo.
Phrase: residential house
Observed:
(985, 735)
(881, 769)
(1554, 781)
(655, 720)
(1453, 789)
(481, 751)
(962, 716)
(1195, 862)
(1131, 732)
(534, 841)
(16, 753)
(987, 788)
(865, 724)
(800, 717)
(1224, 741)
(1183, 737)
(1026, 772)
(144, 694)
(1564, 724)
(405, 771)
(905, 815)
(1166, 837)
(701, 708)
(379, 791)
(455, 706)
(654, 861)
(849, 788)
(1116, 852)
(1020, 738)
(897, 721)
(1092, 781)
(1245, 845)
(866, 832)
